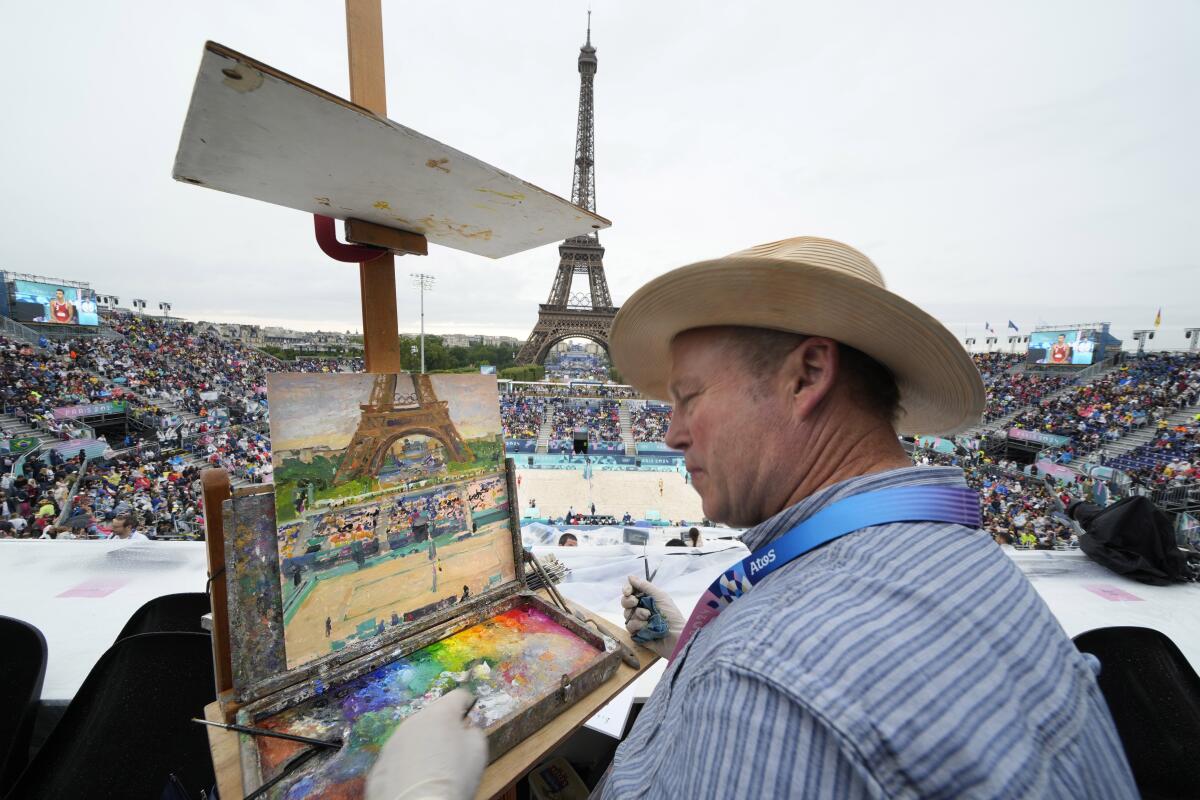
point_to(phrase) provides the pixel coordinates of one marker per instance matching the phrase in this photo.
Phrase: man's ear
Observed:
(811, 371)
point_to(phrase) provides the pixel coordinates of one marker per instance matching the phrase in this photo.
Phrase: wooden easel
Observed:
(381, 330)
(379, 245)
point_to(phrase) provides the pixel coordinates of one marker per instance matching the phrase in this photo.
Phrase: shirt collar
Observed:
(769, 530)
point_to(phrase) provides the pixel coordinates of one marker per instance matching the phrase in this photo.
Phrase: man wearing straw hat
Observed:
(875, 643)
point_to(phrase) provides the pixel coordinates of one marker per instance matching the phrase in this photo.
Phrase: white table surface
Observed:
(80, 629)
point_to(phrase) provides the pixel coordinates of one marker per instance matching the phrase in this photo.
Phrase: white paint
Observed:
(269, 137)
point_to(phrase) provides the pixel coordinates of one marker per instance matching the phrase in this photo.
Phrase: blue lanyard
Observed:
(951, 504)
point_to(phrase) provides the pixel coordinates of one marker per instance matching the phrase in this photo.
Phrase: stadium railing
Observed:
(18, 467)
(15, 330)
(69, 504)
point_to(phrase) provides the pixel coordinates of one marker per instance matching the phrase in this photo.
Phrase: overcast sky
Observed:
(1026, 160)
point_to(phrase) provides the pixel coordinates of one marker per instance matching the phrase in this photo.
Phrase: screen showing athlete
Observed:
(1060, 351)
(61, 310)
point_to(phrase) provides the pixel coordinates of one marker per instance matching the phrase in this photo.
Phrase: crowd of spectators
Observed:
(148, 475)
(160, 496)
(521, 415)
(650, 422)
(326, 365)
(1171, 459)
(163, 369)
(174, 363)
(1008, 393)
(1018, 509)
(608, 391)
(602, 420)
(31, 504)
(37, 381)
(1142, 391)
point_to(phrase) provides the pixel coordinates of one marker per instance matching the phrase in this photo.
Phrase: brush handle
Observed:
(291, 737)
(288, 769)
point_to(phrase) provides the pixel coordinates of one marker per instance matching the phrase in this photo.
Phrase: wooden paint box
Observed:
(360, 692)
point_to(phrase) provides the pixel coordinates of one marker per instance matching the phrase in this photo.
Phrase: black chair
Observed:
(22, 668)
(171, 612)
(1154, 696)
(128, 727)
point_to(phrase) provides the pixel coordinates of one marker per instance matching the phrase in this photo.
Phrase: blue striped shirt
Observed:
(910, 660)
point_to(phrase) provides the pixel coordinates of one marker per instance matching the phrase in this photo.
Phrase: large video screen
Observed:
(47, 303)
(1062, 347)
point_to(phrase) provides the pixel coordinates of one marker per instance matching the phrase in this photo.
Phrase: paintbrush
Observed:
(291, 737)
(288, 769)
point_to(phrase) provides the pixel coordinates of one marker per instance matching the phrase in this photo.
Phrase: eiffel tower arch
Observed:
(556, 325)
(588, 314)
(389, 417)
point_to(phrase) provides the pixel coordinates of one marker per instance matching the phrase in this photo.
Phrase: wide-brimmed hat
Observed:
(811, 286)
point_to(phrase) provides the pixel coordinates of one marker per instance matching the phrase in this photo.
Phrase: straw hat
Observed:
(812, 286)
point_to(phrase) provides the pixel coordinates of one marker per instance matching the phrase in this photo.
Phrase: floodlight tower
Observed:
(1140, 337)
(991, 342)
(1193, 337)
(422, 282)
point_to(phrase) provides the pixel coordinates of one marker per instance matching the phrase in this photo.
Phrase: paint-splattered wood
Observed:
(255, 597)
(503, 773)
(254, 131)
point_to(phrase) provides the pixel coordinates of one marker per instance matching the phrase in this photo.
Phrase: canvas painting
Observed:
(390, 502)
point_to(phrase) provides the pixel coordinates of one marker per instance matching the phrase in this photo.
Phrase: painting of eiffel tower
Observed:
(388, 417)
(391, 502)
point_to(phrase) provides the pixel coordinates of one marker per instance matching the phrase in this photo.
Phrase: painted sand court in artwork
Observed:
(509, 661)
(391, 502)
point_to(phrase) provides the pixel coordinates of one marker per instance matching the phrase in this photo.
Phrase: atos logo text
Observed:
(762, 562)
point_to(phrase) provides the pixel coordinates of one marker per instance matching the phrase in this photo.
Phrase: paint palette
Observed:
(513, 661)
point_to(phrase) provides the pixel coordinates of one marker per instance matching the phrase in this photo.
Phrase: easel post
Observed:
(215, 487)
(377, 279)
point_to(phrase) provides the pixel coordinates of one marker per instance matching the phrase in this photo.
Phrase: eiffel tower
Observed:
(569, 315)
(387, 417)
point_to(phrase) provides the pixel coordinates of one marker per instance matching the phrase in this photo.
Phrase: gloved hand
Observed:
(433, 755)
(637, 618)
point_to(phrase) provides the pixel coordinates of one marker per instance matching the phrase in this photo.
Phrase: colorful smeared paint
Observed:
(509, 661)
(255, 599)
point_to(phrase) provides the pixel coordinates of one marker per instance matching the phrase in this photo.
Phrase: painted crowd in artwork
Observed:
(390, 502)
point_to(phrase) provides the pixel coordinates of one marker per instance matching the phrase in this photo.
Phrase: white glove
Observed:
(635, 618)
(433, 755)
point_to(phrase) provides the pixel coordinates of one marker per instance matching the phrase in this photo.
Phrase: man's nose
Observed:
(677, 437)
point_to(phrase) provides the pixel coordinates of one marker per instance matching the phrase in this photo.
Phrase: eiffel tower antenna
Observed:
(567, 314)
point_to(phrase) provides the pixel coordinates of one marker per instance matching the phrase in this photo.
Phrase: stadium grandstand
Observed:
(118, 420)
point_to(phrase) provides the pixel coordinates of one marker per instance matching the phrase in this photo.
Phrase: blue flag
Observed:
(1013, 325)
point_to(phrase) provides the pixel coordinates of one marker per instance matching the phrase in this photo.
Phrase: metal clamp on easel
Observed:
(369, 241)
